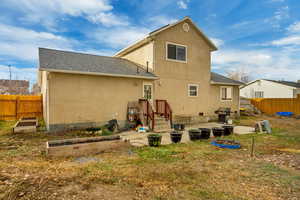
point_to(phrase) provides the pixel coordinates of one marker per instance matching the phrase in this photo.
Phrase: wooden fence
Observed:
(273, 105)
(13, 107)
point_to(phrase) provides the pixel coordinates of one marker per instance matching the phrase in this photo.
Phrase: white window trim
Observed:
(226, 100)
(261, 92)
(174, 60)
(189, 90)
(147, 83)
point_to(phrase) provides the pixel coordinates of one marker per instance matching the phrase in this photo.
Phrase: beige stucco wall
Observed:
(216, 102)
(87, 98)
(174, 77)
(43, 84)
(142, 55)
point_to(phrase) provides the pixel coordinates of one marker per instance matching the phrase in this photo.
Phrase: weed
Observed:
(162, 154)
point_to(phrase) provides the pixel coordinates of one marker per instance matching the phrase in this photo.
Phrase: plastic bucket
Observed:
(175, 136)
(205, 133)
(228, 129)
(218, 132)
(154, 140)
(195, 134)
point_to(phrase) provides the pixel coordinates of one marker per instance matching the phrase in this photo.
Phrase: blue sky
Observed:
(259, 37)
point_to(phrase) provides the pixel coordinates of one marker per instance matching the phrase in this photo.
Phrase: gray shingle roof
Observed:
(217, 78)
(288, 83)
(57, 60)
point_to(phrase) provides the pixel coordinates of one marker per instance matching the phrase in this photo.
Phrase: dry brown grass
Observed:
(182, 171)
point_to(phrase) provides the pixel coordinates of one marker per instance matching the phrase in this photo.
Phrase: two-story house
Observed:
(170, 68)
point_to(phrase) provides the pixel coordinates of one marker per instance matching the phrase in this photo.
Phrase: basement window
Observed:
(193, 90)
(226, 93)
(176, 52)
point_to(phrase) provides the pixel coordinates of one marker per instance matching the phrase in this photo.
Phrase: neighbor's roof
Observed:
(79, 63)
(219, 79)
(287, 83)
(149, 37)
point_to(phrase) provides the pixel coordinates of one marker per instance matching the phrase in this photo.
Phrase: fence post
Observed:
(17, 107)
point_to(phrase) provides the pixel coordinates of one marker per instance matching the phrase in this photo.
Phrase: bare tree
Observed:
(240, 75)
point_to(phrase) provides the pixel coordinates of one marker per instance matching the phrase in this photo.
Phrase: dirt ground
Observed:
(195, 170)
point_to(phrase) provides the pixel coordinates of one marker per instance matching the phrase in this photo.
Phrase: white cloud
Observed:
(279, 16)
(47, 12)
(101, 52)
(292, 38)
(29, 74)
(260, 63)
(119, 37)
(161, 20)
(182, 4)
(289, 40)
(294, 28)
(109, 19)
(218, 42)
(23, 43)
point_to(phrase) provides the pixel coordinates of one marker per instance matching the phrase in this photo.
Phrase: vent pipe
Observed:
(147, 66)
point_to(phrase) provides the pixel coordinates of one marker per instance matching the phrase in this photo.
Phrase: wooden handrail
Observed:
(163, 108)
(148, 112)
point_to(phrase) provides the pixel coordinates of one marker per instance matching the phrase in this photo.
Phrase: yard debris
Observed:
(86, 159)
(242, 130)
(263, 127)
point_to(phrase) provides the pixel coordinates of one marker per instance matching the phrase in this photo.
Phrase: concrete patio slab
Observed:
(140, 139)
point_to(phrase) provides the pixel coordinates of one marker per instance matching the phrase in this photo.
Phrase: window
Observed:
(147, 91)
(176, 52)
(226, 93)
(193, 90)
(259, 94)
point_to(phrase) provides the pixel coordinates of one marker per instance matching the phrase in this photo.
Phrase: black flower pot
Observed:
(218, 132)
(228, 129)
(175, 136)
(154, 140)
(205, 133)
(179, 127)
(195, 134)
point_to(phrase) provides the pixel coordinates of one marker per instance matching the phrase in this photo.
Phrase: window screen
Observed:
(193, 90)
(176, 52)
(226, 93)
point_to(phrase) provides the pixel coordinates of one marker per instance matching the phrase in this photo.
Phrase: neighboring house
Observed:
(14, 87)
(264, 88)
(172, 63)
(35, 90)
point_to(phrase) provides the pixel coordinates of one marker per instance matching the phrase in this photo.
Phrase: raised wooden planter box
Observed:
(29, 119)
(84, 146)
(26, 125)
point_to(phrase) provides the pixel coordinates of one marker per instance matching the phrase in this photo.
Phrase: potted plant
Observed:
(175, 136)
(228, 129)
(195, 134)
(205, 133)
(154, 140)
(218, 132)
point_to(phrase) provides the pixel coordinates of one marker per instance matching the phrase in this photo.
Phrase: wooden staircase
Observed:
(159, 120)
(161, 124)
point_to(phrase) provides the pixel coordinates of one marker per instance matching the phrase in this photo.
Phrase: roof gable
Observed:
(152, 35)
(186, 19)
